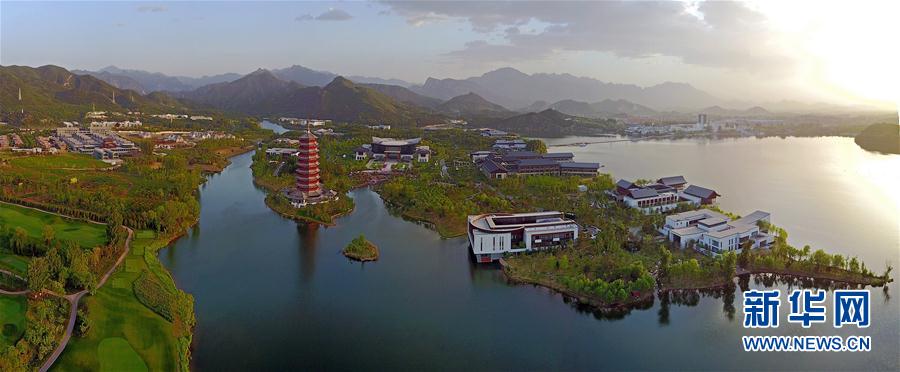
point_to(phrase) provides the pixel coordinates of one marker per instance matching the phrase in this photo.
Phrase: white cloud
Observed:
(152, 8)
(711, 34)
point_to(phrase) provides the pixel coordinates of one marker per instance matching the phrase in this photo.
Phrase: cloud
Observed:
(712, 34)
(331, 14)
(334, 15)
(152, 8)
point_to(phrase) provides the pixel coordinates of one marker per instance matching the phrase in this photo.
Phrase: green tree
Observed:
(39, 274)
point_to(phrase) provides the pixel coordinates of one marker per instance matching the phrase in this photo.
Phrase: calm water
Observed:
(272, 294)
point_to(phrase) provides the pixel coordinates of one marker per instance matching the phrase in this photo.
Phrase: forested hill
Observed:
(881, 137)
(263, 93)
(552, 123)
(52, 93)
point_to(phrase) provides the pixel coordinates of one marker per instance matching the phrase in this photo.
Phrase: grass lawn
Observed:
(88, 235)
(15, 263)
(12, 319)
(117, 355)
(125, 335)
(67, 160)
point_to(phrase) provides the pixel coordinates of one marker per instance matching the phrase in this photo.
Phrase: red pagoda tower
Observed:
(308, 166)
(309, 188)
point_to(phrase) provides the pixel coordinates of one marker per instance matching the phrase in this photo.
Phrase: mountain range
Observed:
(507, 87)
(263, 93)
(54, 92)
(512, 88)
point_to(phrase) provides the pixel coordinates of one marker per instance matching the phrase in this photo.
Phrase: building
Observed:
(309, 188)
(492, 235)
(529, 163)
(653, 198)
(379, 127)
(676, 182)
(488, 132)
(699, 195)
(394, 149)
(480, 155)
(513, 144)
(281, 152)
(714, 233)
(492, 170)
(423, 154)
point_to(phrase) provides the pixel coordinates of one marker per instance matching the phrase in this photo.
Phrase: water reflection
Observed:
(308, 233)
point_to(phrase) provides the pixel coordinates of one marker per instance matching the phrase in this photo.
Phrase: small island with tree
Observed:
(361, 249)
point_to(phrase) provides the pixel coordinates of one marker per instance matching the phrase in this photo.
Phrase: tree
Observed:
(665, 262)
(48, 235)
(38, 274)
(820, 258)
(536, 145)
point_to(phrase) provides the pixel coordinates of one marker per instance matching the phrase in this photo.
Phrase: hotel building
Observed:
(492, 235)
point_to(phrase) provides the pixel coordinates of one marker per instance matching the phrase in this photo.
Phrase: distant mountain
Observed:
(54, 92)
(621, 106)
(404, 95)
(605, 108)
(552, 123)
(471, 104)
(305, 76)
(154, 81)
(310, 77)
(512, 88)
(256, 93)
(754, 111)
(263, 93)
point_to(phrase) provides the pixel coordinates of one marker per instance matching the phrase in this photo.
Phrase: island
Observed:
(360, 249)
(880, 137)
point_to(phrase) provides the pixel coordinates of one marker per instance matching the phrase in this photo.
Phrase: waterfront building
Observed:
(308, 189)
(495, 234)
(529, 163)
(714, 233)
(653, 198)
(676, 182)
(513, 144)
(699, 195)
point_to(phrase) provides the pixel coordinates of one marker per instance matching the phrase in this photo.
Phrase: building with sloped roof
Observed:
(699, 195)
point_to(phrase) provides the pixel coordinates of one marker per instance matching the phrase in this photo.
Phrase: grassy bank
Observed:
(122, 327)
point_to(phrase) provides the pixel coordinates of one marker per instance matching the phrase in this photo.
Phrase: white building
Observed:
(714, 232)
(492, 235)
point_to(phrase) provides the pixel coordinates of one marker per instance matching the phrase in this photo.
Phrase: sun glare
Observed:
(850, 47)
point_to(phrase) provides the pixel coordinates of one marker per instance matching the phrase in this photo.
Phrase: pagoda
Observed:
(309, 188)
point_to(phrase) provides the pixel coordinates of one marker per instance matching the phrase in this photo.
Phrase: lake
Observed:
(272, 294)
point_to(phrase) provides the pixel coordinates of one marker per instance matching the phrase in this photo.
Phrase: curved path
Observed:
(74, 298)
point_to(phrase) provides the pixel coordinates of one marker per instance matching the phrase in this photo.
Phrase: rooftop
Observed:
(700, 192)
(395, 142)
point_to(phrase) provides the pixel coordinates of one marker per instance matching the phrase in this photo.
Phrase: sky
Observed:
(759, 51)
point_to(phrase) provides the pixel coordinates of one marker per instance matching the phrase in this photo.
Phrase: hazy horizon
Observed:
(738, 51)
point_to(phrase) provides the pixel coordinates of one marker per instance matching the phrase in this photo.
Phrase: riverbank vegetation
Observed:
(156, 192)
(141, 307)
(361, 249)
